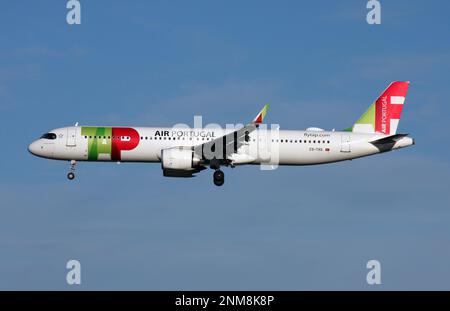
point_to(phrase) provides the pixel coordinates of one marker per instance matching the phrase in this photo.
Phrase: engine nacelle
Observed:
(179, 159)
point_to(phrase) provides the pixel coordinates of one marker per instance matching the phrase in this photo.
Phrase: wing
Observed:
(221, 148)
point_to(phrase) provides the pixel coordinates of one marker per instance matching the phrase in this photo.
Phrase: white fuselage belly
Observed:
(284, 147)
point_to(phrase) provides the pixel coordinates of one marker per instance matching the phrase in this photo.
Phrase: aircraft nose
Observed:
(41, 149)
(33, 148)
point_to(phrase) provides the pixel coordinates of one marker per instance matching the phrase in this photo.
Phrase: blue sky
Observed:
(158, 63)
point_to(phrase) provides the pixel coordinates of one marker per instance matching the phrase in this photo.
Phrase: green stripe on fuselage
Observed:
(99, 141)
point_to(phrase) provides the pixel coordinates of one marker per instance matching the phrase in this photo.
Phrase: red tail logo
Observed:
(388, 108)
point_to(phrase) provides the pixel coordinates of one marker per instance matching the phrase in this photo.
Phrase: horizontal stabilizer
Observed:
(386, 143)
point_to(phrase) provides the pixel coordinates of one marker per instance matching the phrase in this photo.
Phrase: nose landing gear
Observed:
(71, 174)
(219, 178)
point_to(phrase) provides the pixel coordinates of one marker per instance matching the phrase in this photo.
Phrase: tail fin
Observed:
(383, 115)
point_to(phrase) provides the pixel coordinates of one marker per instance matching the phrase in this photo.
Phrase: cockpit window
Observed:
(49, 136)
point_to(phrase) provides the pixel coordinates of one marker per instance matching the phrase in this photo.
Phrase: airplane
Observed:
(184, 152)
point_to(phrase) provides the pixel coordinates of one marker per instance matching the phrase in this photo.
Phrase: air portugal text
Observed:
(186, 133)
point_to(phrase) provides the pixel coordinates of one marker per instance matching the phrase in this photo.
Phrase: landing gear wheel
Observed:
(71, 174)
(219, 178)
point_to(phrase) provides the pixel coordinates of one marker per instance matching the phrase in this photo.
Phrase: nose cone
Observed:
(41, 149)
(34, 148)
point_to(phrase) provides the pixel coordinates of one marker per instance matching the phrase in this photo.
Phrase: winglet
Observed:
(260, 117)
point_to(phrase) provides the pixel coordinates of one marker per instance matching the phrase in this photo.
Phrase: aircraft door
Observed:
(71, 136)
(345, 143)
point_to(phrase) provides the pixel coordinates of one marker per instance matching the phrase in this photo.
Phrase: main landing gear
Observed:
(71, 174)
(219, 178)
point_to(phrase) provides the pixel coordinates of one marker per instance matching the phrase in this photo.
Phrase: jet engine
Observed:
(179, 162)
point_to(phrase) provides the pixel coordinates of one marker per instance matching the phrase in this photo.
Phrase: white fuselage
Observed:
(283, 147)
